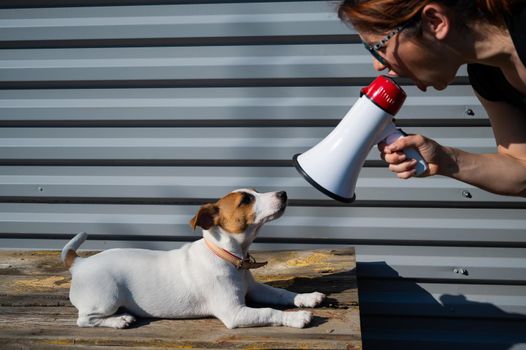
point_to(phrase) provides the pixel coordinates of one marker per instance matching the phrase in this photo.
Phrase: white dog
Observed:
(209, 277)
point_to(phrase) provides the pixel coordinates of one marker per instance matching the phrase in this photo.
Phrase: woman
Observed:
(427, 41)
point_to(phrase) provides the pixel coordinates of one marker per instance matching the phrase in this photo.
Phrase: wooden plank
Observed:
(35, 311)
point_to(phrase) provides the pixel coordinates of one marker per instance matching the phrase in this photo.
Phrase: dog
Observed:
(209, 277)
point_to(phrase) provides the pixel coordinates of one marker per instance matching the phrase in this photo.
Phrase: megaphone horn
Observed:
(333, 165)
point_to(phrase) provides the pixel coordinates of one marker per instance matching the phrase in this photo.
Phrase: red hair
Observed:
(380, 16)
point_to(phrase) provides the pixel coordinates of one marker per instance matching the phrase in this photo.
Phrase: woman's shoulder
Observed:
(487, 81)
(516, 24)
(490, 83)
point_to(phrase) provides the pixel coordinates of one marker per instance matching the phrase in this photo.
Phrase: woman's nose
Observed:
(378, 66)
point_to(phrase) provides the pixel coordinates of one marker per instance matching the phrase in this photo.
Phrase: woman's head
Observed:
(379, 16)
(416, 38)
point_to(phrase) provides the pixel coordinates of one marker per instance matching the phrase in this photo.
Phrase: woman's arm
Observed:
(503, 172)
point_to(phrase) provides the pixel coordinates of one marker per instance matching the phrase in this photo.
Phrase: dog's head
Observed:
(241, 211)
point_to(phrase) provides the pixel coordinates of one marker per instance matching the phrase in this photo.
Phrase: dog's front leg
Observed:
(265, 294)
(244, 316)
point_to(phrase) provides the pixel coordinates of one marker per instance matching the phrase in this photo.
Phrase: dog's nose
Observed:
(282, 195)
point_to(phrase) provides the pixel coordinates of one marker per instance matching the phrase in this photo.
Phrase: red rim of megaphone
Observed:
(386, 94)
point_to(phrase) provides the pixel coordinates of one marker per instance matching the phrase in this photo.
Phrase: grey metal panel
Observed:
(445, 300)
(100, 242)
(93, 243)
(268, 103)
(187, 63)
(374, 184)
(184, 63)
(472, 229)
(271, 143)
(438, 333)
(168, 21)
(482, 263)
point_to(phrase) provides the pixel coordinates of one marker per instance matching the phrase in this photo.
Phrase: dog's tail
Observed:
(69, 253)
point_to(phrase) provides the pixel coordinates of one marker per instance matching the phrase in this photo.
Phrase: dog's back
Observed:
(140, 280)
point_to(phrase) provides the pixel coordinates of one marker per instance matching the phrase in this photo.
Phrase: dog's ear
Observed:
(206, 217)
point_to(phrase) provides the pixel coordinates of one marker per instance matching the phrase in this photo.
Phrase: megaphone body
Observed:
(333, 165)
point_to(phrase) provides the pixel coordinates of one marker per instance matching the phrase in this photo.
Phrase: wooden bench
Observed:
(35, 312)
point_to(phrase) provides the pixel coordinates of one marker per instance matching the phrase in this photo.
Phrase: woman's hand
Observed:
(406, 168)
(502, 172)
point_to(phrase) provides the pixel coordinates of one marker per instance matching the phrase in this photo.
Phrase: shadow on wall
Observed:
(398, 313)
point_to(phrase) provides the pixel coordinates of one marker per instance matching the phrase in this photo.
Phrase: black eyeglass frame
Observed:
(374, 48)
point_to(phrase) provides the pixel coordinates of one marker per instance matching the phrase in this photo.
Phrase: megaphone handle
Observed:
(411, 153)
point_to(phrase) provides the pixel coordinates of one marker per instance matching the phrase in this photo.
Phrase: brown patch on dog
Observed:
(71, 255)
(206, 217)
(234, 212)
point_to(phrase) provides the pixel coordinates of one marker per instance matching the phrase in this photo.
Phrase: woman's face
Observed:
(423, 59)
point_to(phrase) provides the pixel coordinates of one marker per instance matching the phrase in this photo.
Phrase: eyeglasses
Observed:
(374, 48)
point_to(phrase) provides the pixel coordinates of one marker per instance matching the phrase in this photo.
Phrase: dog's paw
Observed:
(309, 299)
(297, 319)
(122, 321)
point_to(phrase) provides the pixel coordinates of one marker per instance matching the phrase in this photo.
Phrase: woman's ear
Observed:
(436, 20)
(206, 217)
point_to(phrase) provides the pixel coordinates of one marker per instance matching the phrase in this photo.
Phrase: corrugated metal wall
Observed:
(119, 118)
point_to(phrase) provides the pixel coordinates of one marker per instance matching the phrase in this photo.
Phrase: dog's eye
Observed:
(247, 199)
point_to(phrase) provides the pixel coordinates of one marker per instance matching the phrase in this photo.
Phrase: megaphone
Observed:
(333, 165)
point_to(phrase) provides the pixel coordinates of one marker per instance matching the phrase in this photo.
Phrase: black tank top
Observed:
(488, 81)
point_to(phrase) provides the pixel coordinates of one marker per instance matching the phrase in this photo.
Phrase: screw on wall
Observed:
(469, 112)
(467, 194)
(461, 271)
